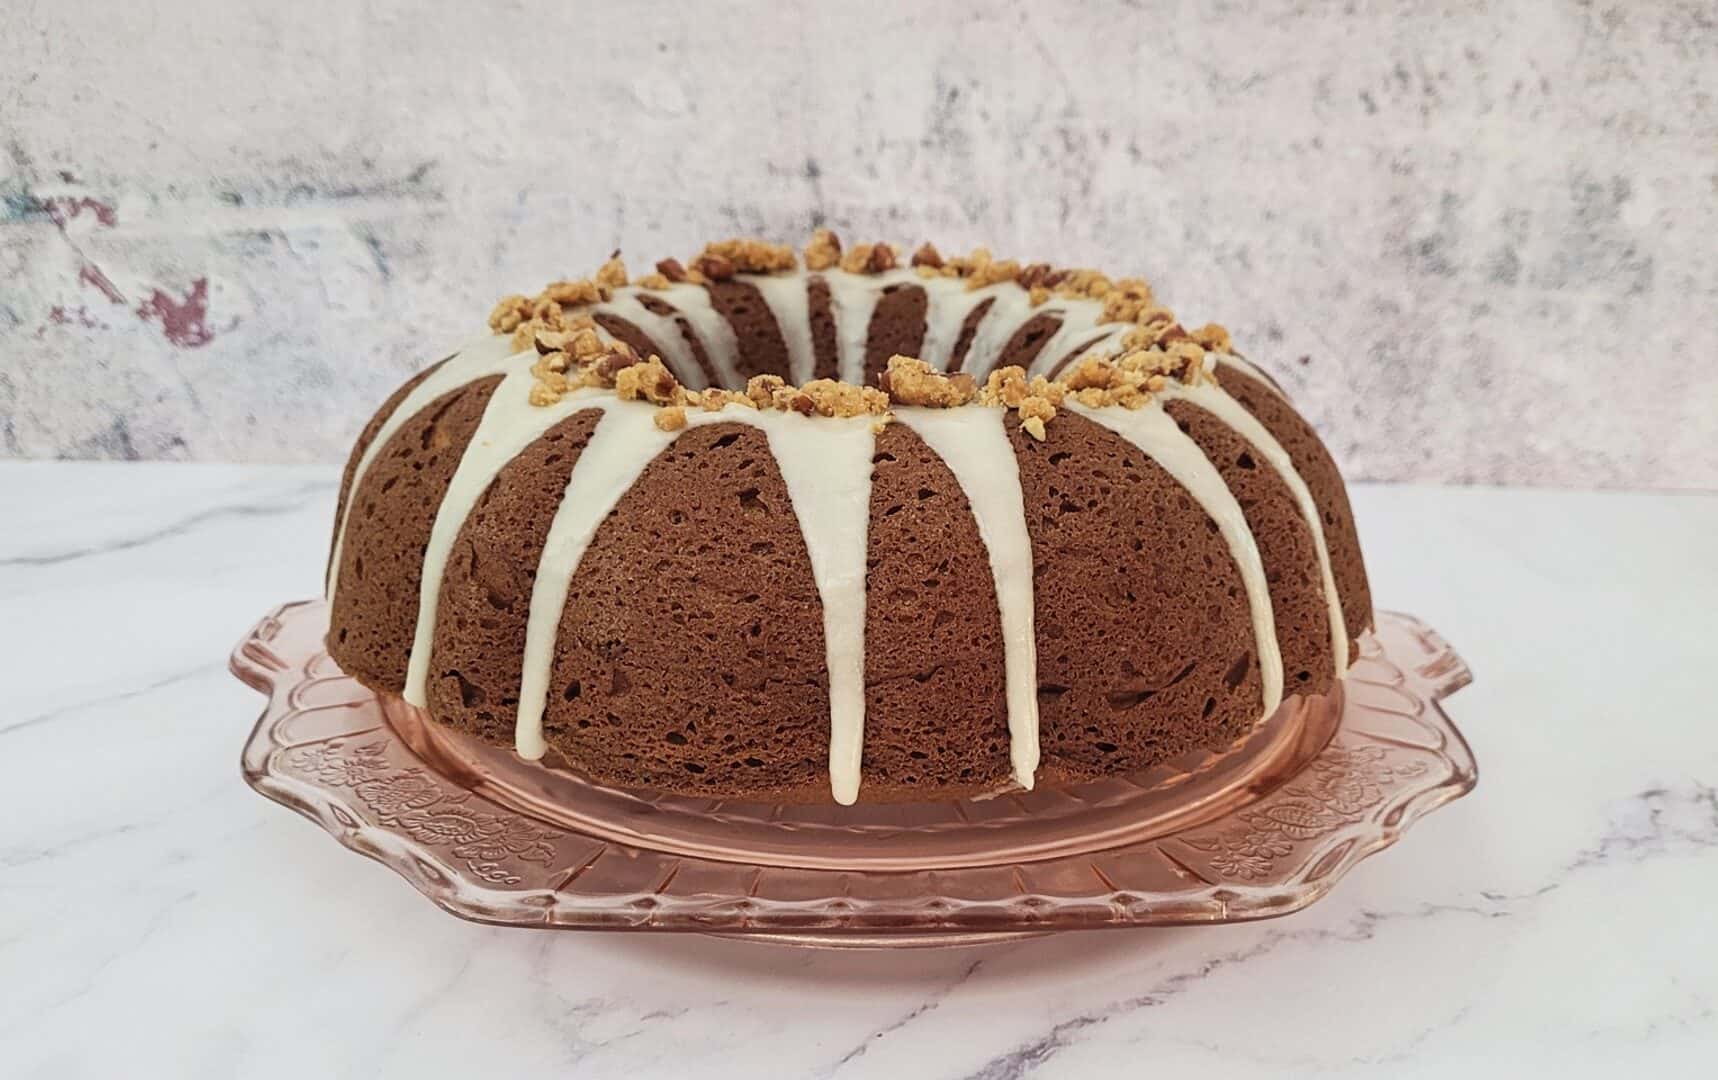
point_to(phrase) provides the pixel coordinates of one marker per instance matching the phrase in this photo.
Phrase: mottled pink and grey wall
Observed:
(1476, 240)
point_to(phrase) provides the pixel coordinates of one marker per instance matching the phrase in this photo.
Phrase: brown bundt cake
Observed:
(787, 529)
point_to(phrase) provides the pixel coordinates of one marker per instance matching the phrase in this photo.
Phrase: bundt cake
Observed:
(790, 528)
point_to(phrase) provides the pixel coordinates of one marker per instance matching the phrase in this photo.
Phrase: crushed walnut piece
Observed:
(762, 389)
(1009, 386)
(993, 272)
(506, 316)
(712, 266)
(612, 274)
(1214, 338)
(820, 397)
(830, 397)
(824, 251)
(1083, 284)
(1034, 400)
(542, 334)
(715, 400)
(1126, 300)
(1145, 365)
(869, 259)
(911, 381)
(573, 293)
(747, 257)
(548, 312)
(928, 256)
(649, 380)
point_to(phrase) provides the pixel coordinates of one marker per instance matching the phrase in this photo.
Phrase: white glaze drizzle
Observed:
(826, 464)
(948, 303)
(785, 295)
(1227, 410)
(510, 423)
(974, 444)
(1013, 307)
(625, 441)
(826, 467)
(716, 333)
(853, 300)
(1079, 323)
(663, 330)
(487, 356)
(1153, 432)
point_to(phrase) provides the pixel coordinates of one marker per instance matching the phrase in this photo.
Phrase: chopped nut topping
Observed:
(1091, 372)
(1034, 400)
(750, 257)
(869, 259)
(571, 353)
(1142, 368)
(992, 271)
(1009, 387)
(714, 400)
(574, 293)
(547, 341)
(586, 345)
(1082, 284)
(646, 380)
(761, 389)
(509, 313)
(824, 397)
(829, 397)
(612, 274)
(1033, 275)
(528, 334)
(1127, 300)
(911, 381)
(928, 255)
(715, 267)
(673, 418)
(824, 251)
(1214, 338)
(855, 261)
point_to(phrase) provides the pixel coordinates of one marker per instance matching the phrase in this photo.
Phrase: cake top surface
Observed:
(1151, 350)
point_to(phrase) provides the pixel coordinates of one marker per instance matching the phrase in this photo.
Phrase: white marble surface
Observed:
(1475, 238)
(159, 919)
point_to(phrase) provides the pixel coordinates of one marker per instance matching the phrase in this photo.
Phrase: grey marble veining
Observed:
(169, 922)
(1474, 239)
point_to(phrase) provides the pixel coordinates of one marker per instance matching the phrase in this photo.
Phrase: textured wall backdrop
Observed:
(1476, 240)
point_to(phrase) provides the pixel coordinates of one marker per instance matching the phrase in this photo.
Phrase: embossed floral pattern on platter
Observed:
(413, 800)
(1339, 788)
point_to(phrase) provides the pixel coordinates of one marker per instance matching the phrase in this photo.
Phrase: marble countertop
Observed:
(158, 918)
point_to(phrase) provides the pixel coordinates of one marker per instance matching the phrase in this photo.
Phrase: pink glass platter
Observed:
(1259, 831)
